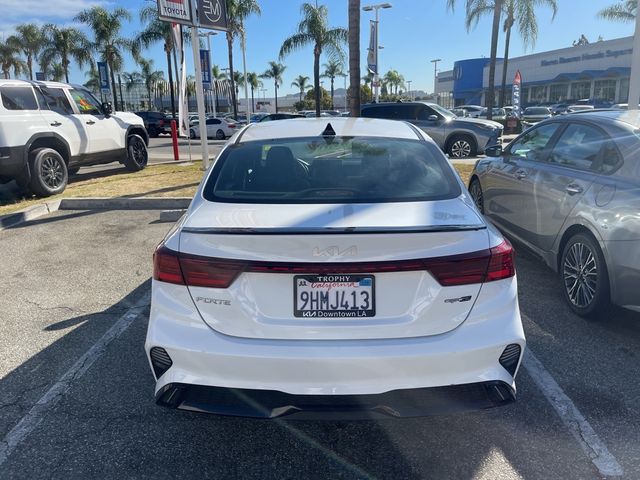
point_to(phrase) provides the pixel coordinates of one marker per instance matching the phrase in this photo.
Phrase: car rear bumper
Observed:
(467, 355)
(624, 267)
(397, 403)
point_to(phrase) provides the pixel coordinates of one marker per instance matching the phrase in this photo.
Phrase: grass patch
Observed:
(153, 181)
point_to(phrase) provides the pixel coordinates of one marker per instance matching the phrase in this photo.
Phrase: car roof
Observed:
(631, 117)
(48, 84)
(343, 126)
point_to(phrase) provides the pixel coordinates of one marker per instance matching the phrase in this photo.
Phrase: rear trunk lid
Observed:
(362, 250)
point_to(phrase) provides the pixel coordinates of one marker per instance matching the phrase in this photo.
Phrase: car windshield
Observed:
(536, 111)
(335, 170)
(443, 111)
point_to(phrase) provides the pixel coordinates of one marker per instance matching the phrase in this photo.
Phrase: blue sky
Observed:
(412, 32)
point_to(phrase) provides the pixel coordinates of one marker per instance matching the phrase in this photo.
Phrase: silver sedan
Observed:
(569, 189)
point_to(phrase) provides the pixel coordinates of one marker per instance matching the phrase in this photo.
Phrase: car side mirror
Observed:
(107, 108)
(495, 151)
(433, 118)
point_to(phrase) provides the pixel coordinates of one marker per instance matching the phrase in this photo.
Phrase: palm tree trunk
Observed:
(253, 105)
(491, 94)
(276, 90)
(65, 65)
(505, 64)
(354, 57)
(316, 78)
(233, 86)
(332, 107)
(30, 65)
(113, 88)
(173, 98)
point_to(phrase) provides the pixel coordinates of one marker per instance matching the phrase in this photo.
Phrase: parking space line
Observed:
(49, 400)
(579, 427)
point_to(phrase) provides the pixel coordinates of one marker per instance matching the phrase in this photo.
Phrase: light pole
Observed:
(409, 82)
(376, 78)
(634, 83)
(208, 35)
(435, 75)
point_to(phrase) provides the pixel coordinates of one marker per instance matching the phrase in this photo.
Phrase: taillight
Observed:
(478, 267)
(166, 266)
(502, 264)
(231, 125)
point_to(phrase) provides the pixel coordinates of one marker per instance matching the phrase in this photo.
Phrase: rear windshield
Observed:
(343, 170)
(536, 111)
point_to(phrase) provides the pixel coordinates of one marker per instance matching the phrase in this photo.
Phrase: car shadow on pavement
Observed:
(56, 218)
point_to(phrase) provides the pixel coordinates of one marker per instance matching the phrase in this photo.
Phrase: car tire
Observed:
(49, 175)
(220, 135)
(461, 146)
(192, 134)
(475, 190)
(584, 276)
(137, 155)
(154, 133)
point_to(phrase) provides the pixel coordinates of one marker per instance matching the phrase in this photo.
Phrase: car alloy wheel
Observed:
(51, 172)
(138, 151)
(460, 149)
(580, 274)
(220, 135)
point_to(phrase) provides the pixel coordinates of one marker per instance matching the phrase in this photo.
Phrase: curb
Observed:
(29, 213)
(176, 206)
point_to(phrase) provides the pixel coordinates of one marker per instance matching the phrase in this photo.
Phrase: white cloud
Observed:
(17, 10)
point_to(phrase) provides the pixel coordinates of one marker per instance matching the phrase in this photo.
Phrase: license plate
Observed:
(334, 296)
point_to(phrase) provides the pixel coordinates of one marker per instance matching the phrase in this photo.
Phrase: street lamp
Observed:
(435, 74)
(409, 82)
(369, 8)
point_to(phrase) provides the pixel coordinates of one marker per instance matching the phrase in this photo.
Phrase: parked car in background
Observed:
(559, 108)
(533, 115)
(280, 116)
(340, 271)
(48, 130)
(218, 128)
(579, 108)
(257, 116)
(460, 112)
(569, 188)
(154, 122)
(498, 114)
(459, 137)
(473, 111)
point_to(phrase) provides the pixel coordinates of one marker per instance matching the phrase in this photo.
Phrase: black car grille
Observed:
(160, 360)
(510, 357)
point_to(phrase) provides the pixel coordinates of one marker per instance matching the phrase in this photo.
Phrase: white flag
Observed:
(372, 57)
(183, 106)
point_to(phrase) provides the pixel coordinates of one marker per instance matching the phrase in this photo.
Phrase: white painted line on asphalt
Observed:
(579, 427)
(49, 400)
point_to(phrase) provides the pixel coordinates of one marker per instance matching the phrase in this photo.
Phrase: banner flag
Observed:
(372, 57)
(183, 106)
(517, 87)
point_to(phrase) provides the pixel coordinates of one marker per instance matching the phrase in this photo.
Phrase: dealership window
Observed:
(605, 90)
(624, 90)
(524, 95)
(539, 93)
(581, 90)
(558, 93)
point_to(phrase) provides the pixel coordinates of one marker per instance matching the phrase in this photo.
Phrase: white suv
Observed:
(48, 130)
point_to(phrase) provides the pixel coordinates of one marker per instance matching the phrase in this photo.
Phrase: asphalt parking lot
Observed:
(76, 392)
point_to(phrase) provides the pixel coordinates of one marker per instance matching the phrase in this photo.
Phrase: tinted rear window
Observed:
(536, 111)
(18, 98)
(346, 170)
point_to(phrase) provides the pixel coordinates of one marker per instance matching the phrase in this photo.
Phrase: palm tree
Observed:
(157, 31)
(9, 60)
(332, 70)
(106, 27)
(354, 57)
(237, 12)
(216, 76)
(275, 72)
(394, 80)
(301, 83)
(64, 44)
(623, 11)
(521, 12)
(313, 30)
(495, 29)
(149, 77)
(57, 72)
(94, 79)
(368, 78)
(238, 81)
(254, 83)
(30, 40)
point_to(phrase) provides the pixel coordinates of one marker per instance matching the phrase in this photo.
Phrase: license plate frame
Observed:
(334, 283)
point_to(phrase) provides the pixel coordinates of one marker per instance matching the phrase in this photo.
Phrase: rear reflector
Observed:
(160, 360)
(510, 358)
(197, 271)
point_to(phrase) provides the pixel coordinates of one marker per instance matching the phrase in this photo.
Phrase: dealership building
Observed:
(599, 70)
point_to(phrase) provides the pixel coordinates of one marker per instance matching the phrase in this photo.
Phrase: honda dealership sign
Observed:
(178, 11)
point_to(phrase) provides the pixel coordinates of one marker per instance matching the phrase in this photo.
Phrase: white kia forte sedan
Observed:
(333, 267)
